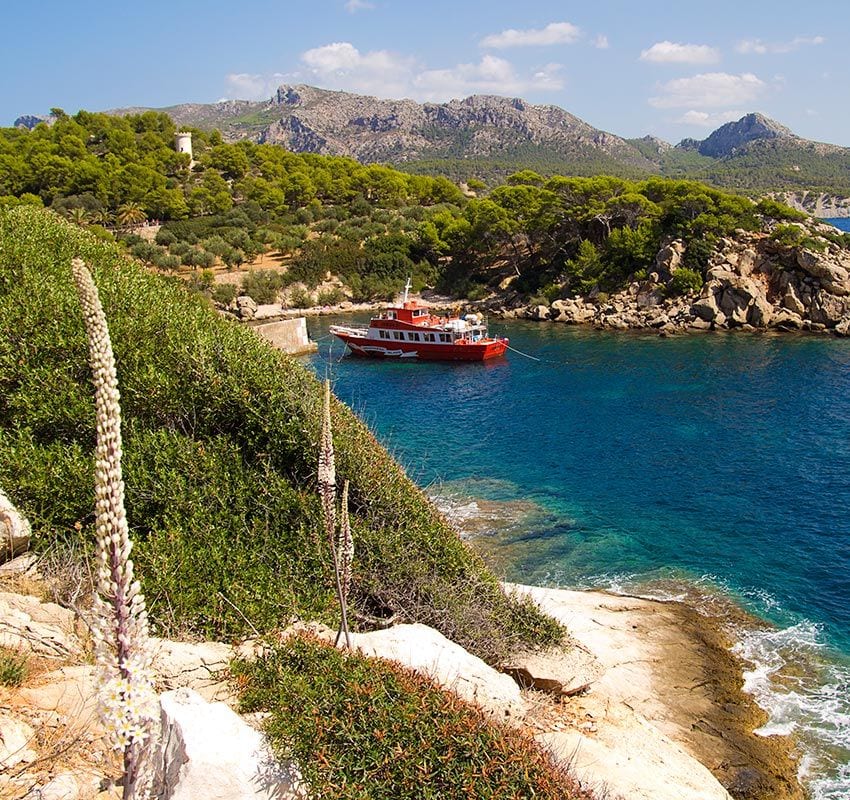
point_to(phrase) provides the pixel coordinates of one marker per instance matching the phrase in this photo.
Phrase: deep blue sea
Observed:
(711, 467)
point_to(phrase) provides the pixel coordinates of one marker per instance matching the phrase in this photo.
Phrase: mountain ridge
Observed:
(492, 136)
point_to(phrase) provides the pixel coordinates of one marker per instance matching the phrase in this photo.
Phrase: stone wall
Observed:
(289, 335)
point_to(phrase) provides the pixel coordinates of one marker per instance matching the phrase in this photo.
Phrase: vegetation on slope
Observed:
(220, 459)
(365, 729)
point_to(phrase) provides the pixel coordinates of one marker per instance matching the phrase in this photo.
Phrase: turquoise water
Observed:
(841, 222)
(711, 463)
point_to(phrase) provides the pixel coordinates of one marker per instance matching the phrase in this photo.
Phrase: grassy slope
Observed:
(220, 459)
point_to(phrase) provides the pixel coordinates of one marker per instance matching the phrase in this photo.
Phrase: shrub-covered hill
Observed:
(220, 443)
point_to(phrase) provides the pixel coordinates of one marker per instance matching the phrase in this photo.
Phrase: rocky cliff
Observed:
(752, 282)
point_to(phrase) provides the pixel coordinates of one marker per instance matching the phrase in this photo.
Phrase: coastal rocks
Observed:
(14, 530)
(206, 750)
(572, 312)
(428, 652)
(669, 259)
(834, 275)
(563, 671)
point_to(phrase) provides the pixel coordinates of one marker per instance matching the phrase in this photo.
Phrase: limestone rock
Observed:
(200, 666)
(566, 671)
(64, 786)
(705, 308)
(14, 530)
(835, 277)
(207, 751)
(71, 692)
(648, 767)
(15, 740)
(760, 312)
(792, 302)
(669, 259)
(246, 308)
(539, 313)
(428, 652)
(43, 629)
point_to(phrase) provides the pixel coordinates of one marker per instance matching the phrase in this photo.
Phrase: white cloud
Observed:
(353, 6)
(672, 53)
(709, 90)
(758, 47)
(705, 120)
(601, 42)
(248, 86)
(383, 73)
(491, 75)
(340, 65)
(553, 33)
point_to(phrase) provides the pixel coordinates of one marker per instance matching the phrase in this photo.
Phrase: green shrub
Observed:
(300, 298)
(684, 281)
(224, 293)
(773, 209)
(13, 667)
(362, 728)
(262, 285)
(330, 297)
(788, 235)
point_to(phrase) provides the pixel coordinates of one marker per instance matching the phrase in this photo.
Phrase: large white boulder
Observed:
(431, 654)
(207, 751)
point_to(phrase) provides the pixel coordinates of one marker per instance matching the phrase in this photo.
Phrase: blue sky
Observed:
(632, 68)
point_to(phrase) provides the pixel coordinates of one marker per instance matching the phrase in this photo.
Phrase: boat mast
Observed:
(407, 288)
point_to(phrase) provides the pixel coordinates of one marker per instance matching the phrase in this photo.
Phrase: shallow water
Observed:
(716, 461)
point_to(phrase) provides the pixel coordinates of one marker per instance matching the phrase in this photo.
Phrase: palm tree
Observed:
(101, 217)
(130, 214)
(79, 216)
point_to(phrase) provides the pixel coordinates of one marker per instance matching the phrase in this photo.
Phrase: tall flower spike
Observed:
(120, 625)
(327, 468)
(345, 548)
(327, 491)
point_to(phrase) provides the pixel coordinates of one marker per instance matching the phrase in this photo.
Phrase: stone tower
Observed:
(183, 143)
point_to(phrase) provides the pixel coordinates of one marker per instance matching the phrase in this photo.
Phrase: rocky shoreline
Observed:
(751, 283)
(644, 702)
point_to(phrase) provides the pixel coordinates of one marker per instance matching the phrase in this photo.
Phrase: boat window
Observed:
(414, 337)
(390, 314)
(444, 337)
(398, 335)
(384, 334)
(429, 337)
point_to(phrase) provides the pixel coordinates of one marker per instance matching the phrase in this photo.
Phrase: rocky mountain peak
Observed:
(730, 137)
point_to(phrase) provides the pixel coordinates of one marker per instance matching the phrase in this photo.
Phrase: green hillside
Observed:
(221, 436)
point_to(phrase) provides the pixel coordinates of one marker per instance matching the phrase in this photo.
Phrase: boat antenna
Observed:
(407, 288)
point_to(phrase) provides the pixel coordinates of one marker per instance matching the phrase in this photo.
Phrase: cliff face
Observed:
(818, 204)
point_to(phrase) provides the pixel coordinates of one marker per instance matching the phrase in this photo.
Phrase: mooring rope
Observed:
(513, 349)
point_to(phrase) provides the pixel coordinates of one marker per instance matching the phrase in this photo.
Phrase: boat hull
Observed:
(363, 347)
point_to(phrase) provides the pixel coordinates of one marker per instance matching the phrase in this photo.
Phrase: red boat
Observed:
(411, 331)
